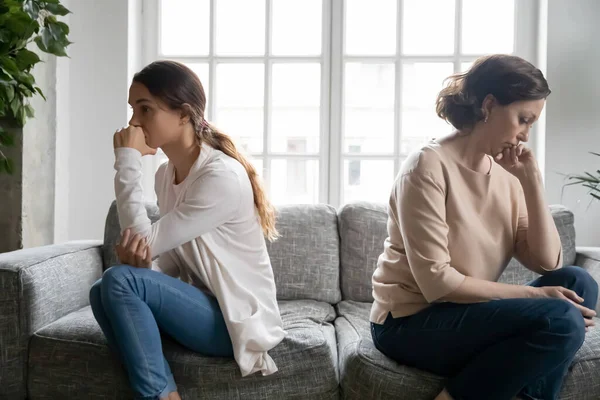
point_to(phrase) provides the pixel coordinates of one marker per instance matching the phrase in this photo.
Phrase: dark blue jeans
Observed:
(134, 305)
(498, 349)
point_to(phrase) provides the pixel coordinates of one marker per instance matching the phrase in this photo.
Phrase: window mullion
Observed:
(268, 66)
(398, 87)
(336, 107)
(325, 131)
(458, 35)
(211, 109)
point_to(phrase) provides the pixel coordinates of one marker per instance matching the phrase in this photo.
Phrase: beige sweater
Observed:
(446, 222)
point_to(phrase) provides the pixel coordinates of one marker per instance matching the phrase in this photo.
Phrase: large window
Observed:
(328, 97)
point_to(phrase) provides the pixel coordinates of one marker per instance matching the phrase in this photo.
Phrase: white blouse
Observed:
(209, 235)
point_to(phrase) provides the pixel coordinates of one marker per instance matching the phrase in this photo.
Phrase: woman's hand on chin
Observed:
(519, 161)
(133, 137)
(134, 251)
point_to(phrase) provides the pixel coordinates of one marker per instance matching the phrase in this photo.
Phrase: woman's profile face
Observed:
(160, 124)
(509, 125)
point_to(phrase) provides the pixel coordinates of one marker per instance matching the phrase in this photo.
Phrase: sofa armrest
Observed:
(38, 286)
(588, 258)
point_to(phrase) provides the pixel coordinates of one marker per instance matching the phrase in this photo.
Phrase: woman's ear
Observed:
(487, 105)
(186, 114)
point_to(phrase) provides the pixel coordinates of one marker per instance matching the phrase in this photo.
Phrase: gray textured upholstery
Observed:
(305, 258)
(37, 287)
(365, 373)
(69, 359)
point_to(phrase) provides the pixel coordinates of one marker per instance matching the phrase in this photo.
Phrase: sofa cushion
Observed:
(363, 230)
(305, 258)
(365, 373)
(69, 359)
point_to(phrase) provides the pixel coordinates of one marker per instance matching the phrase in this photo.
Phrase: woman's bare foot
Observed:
(174, 396)
(443, 396)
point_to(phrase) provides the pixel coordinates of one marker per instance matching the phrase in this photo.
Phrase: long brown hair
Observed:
(177, 86)
(508, 78)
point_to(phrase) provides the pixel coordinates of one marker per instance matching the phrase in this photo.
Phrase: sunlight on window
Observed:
(427, 32)
(370, 27)
(185, 27)
(240, 103)
(295, 181)
(296, 27)
(380, 116)
(240, 27)
(373, 183)
(488, 26)
(422, 83)
(296, 111)
(369, 107)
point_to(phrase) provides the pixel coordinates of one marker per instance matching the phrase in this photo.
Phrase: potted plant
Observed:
(24, 23)
(588, 180)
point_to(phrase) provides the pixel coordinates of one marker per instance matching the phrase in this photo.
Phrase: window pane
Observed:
(419, 23)
(420, 123)
(371, 27)
(201, 69)
(369, 108)
(368, 180)
(258, 165)
(295, 112)
(184, 27)
(292, 17)
(488, 26)
(240, 103)
(465, 66)
(240, 27)
(294, 181)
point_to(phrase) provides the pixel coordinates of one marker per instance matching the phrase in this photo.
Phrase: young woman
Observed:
(461, 207)
(212, 287)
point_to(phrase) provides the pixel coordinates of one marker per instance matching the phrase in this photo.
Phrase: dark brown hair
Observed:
(507, 78)
(177, 85)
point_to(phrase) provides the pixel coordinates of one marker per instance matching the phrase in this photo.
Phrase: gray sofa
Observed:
(52, 348)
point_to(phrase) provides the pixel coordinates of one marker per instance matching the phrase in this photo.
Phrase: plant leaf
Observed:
(10, 92)
(26, 59)
(31, 8)
(18, 22)
(37, 89)
(57, 9)
(29, 112)
(9, 66)
(15, 106)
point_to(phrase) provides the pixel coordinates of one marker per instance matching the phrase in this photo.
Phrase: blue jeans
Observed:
(134, 305)
(498, 349)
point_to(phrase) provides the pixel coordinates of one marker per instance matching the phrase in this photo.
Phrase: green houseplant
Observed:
(588, 180)
(22, 23)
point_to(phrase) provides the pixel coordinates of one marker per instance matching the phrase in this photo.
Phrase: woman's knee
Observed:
(96, 294)
(566, 322)
(573, 276)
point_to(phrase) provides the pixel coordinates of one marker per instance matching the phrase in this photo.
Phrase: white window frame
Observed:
(331, 156)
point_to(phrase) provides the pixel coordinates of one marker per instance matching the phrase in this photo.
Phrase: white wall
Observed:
(572, 117)
(96, 94)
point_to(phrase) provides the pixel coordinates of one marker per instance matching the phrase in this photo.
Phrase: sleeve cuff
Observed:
(443, 286)
(127, 155)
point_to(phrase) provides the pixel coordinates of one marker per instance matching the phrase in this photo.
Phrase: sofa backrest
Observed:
(363, 230)
(305, 258)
